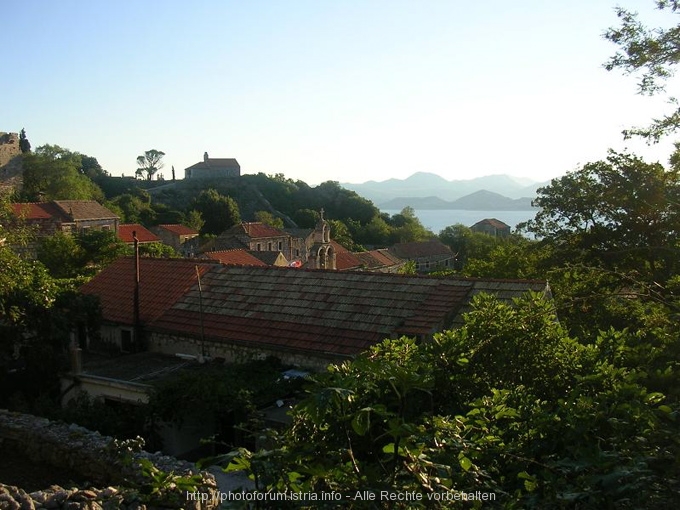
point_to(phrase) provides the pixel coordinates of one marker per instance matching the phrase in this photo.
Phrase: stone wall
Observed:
(9, 147)
(95, 458)
(167, 343)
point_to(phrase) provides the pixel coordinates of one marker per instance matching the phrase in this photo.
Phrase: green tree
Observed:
(218, 211)
(622, 213)
(24, 144)
(268, 219)
(652, 54)
(149, 163)
(194, 219)
(54, 173)
(61, 255)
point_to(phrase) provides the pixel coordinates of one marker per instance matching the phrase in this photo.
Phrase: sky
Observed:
(317, 90)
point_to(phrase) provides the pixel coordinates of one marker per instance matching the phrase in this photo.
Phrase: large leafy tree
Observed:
(218, 211)
(621, 213)
(54, 173)
(652, 54)
(149, 163)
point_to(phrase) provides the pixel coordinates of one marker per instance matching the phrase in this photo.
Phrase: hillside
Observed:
(482, 200)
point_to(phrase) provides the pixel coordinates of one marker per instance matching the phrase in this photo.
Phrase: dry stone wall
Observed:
(95, 458)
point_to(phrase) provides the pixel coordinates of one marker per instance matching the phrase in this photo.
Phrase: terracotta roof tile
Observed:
(493, 222)
(179, 230)
(35, 210)
(344, 259)
(162, 283)
(85, 210)
(143, 235)
(317, 312)
(238, 257)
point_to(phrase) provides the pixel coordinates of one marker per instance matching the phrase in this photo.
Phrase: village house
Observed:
(492, 227)
(192, 311)
(428, 256)
(183, 239)
(304, 317)
(67, 216)
(213, 168)
(307, 248)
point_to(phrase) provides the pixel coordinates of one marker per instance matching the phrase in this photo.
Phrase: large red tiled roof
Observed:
(237, 257)
(162, 283)
(143, 235)
(179, 230)
(327, 313)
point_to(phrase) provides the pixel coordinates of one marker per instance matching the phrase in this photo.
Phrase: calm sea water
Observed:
(440, 219)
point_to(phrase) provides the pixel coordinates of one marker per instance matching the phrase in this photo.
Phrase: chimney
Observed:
(205, 157)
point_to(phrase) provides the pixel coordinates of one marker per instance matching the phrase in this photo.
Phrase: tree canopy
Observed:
(149, 163)
(652, 54)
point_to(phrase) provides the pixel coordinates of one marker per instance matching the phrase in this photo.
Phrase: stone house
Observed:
(492, 227)
(183, 239)
(428, 256)
(213, 168)
(68, 216)
(308, 248)
(307, 318)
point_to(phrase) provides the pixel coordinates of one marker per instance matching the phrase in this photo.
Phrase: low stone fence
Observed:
(102, 462)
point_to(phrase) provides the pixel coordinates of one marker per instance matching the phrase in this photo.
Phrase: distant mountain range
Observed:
(424, 190)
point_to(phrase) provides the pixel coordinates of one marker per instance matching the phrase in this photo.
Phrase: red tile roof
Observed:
(35, 210)
(493, 222)
(322, 313)
(258, 230)
(378, 259)
(162, 283)
(143, 235)
(344, 259)
(179, 230)
(317, 311)
(238, 257)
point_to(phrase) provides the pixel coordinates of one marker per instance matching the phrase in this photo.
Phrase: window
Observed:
(280, 245)
(269, 246)
(106, 227)
(259, 247)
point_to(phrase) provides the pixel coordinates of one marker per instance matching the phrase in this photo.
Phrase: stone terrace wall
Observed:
(9, 147)
(90, 455)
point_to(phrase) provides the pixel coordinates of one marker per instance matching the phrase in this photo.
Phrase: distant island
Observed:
(427, 191)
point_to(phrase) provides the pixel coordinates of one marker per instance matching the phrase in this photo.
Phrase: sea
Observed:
(438, 220)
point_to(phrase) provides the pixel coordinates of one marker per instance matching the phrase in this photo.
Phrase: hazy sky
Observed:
(324, 90)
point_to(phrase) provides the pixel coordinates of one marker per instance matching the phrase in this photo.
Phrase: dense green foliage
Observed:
(652, 54)
(53, 173)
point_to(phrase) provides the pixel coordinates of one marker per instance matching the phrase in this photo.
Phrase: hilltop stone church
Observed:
(212, 168)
